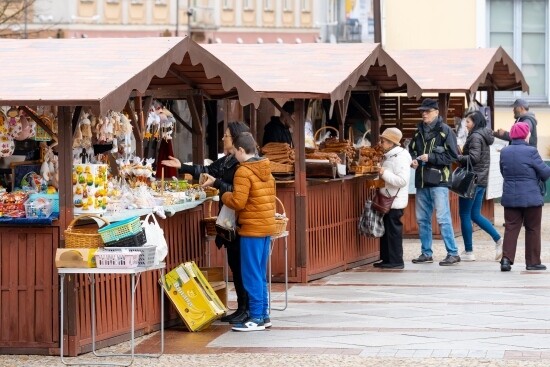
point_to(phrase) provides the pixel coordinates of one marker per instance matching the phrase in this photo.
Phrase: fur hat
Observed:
(392, 134)
(520, 130)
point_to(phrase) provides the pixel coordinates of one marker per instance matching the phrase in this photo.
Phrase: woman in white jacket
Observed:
(395, 172)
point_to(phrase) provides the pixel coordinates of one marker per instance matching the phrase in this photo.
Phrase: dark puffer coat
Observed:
(524, 174)
(477, 151)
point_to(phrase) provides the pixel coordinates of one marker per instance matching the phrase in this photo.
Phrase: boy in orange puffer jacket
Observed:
(253, 199)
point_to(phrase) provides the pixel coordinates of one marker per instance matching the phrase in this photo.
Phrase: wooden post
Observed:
(443, 101)
(300, 185)
(375, 126)
(196, 108)
(491, 105)
(65, 154)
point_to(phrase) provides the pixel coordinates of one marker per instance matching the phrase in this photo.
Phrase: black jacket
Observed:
(440, 145)
(223, 170)
(477, 151)
(276, 131)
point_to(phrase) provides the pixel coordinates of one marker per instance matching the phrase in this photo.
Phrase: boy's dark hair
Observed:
(236, 128)
(246, 141)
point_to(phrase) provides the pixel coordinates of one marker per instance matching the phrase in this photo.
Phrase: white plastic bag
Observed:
(226, 217)
(155, 237)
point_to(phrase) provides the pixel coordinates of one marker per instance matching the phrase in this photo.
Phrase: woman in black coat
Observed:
(220, 175)
(476, 153)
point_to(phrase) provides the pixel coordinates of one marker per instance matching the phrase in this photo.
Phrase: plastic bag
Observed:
(226, 223)
(226, 218)
(155, 237)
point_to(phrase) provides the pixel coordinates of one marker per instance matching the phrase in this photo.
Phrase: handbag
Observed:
(155, 237)
(371, 223)
(464, 181)
(226, 224)
(382, 203)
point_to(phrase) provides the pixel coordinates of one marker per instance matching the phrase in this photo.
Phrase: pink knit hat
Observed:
(520, 130)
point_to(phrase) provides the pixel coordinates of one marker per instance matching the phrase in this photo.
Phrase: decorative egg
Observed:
(7, 146)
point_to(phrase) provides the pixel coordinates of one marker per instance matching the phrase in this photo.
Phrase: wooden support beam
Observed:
(181, 121)
(40, 123)
(360, 108)
(300, 185)
(198, 140)
(443, 101)
(491, 105)
(375, 125)
(65, 153)
(76, 117)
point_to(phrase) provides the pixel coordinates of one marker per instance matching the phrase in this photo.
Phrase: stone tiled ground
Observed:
(425, 315)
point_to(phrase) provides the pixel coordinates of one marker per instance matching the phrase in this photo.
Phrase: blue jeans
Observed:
(470, 211)
(427, 199)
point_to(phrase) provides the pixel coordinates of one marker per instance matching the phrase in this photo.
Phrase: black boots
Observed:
(237, 317)
(505, 264)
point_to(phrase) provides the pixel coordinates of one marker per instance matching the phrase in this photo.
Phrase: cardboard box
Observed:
(191, 294)
(75, 258)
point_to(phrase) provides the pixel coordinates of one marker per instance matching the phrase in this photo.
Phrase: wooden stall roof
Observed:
(313, 70)
(461, 70)
(103, 72)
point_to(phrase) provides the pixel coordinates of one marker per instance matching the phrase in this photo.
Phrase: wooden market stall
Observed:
(323, 213)
(101, 74)
(461, 72)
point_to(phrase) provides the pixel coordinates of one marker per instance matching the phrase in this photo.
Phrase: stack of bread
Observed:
(326, 156)
(281, 157)
(369, 160)
(334, 145)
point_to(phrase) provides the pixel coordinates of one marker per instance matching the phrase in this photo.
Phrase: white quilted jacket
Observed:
(396, 175)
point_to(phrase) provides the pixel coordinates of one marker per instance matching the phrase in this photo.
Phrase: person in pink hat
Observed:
(524, 186)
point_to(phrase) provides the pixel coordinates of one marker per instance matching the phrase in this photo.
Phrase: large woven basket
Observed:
(316, 135)
(280, 222)
(83, 237)
(209, 223)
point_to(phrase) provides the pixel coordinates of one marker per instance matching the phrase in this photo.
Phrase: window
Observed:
(248, 4)
(305, 5)
(521, 28)
(160, 2)
(227, 4)
(287, 5)
(268, 5)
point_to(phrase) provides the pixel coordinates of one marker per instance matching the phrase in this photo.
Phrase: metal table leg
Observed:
(132, 327)
(286, 273)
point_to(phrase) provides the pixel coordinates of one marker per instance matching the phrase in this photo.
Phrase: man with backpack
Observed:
(521, 114)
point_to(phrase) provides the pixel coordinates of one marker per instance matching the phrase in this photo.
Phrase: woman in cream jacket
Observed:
(395, 172)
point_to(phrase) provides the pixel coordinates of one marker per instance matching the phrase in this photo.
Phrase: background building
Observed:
(519, 26)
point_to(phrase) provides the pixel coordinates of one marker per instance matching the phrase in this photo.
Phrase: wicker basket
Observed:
(209, 223)
(83, 237)
(315, 137)
(280, 222)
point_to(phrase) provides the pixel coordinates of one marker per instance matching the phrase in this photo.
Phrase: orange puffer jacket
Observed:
(253, 198)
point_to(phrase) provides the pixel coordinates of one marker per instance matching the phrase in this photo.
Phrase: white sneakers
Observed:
(498, 249)
(467, 256)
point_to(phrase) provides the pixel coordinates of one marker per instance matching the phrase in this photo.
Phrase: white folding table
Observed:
(91, 272)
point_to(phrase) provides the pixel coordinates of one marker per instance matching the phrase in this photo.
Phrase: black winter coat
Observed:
(477, 151)
(223, 169)
(440, 145)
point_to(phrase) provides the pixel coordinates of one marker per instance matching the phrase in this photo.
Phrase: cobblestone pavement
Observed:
(425, 315)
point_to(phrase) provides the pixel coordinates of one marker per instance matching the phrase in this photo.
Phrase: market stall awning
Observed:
(313, 70)
(103, 72)
(461, 70)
